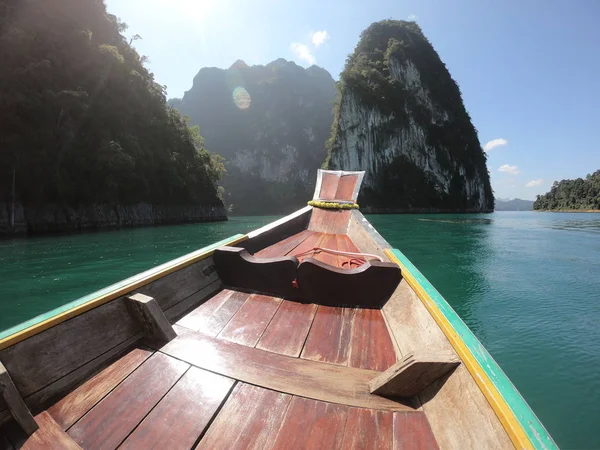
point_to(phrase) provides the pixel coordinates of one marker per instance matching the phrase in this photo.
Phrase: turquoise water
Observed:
(527, 284)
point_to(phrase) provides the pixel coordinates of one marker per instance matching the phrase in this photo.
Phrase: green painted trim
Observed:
(113, 287)
(535, 431)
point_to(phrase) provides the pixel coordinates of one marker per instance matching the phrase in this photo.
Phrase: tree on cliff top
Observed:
(81, 119)
(370, 75)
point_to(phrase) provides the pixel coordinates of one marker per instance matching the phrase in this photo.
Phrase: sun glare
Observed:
(241, 98)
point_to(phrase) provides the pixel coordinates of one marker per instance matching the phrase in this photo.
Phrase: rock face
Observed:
(270, 123)
(52, 218)
(400, 117)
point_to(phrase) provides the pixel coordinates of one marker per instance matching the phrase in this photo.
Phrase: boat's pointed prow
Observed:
(338, 186)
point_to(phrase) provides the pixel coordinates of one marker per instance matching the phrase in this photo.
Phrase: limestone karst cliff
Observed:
(400, 117)
(270, 123)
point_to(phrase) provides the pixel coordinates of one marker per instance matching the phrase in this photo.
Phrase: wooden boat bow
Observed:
(259, 341)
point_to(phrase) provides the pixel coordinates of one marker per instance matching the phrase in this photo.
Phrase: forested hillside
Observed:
(82, 122)
(580, 194)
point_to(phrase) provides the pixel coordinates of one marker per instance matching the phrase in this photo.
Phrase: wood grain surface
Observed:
(329, 338)
(412, 432)
(371, 346)
(329, 221)
(15, 403)
(248, 324)
(74, 405)
(52, 354)
(49, 436)
(310, 379)
(111, 420)
(473, 423)
(310, 424)
(210, 317)
(250, 419)
(414, 373)
(153, 320)
(329, 185)
(368, 429)
(288, 329)
(284, 247)
(183, 414)
(175, 287)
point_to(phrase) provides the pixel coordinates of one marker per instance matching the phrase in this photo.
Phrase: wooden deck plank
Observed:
(250, 419)
(72, 407)
(368, 429)
(249, 323)
(282, 248)
(111, 420)
(329, 339)
(412, 432)
(345, 244)
(305, 378)
(183, 414)
(210, 317)
(289, 328)
(310, 424)
(309, 243)
(329, 241)
(371, 346)
(49, 436)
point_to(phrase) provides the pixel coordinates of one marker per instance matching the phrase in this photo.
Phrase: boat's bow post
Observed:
(15, 403)
(146, 311)
(338, 186)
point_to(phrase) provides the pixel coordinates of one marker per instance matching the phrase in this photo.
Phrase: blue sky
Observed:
(529, 71)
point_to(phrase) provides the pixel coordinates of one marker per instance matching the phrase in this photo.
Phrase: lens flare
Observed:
(241, 98)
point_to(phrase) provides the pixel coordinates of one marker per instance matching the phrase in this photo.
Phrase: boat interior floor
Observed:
(245, 371)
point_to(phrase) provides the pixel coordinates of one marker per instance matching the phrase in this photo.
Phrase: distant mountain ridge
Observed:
(270, 123)
(515, 204)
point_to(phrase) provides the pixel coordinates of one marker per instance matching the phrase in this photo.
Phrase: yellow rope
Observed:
(332, 205)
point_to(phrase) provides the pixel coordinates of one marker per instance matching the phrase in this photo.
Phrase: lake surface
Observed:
(527, 284)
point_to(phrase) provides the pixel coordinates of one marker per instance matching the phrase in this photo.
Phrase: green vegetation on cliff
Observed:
(578, 195)
(82, 121)
(416, 116)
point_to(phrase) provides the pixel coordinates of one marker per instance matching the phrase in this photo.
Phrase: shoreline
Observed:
(57, 218)
(568, 210)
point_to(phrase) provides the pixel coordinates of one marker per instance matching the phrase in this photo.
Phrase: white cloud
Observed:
(494, 143)
(319, 37)
(534, 183)
(303, 52)
(507, 168)
(412, 17)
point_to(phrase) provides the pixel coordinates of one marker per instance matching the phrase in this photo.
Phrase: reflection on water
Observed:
(591, 225)
(478, 221)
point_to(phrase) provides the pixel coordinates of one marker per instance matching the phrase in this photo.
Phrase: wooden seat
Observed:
(368, 286)
(273, 276)
(313, 281)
